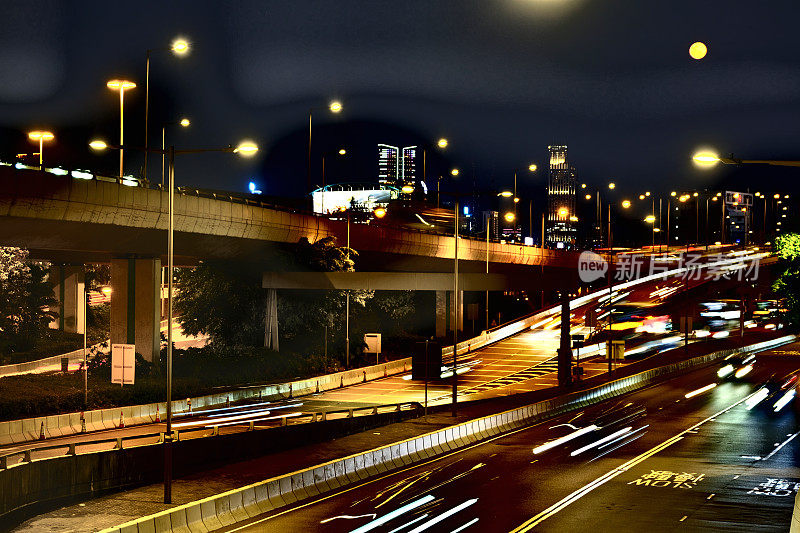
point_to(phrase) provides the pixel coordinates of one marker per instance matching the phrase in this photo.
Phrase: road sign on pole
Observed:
(123, 363)
(373, 342)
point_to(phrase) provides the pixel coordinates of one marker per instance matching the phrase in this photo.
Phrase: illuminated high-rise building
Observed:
(408, 168)
(388, 164)
(397, 166)
(561, 213)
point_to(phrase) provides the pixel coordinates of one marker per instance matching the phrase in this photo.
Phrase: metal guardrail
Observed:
(28, 455)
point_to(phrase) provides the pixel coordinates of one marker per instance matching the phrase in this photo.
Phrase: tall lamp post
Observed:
(41, 137)
(245, 149)
(334, 107)
(185, 123)
(179, 47)
(121, 86)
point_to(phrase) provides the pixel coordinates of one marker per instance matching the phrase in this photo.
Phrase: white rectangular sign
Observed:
(373, 342)
(123, 363)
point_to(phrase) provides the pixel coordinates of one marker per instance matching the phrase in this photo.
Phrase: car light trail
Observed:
(465, 526)
(435, 520)
(348, 517)
(725, 371)
(215, 421)
(601, 441)
(566, 438)
(394, 514)
(786, 398)
(720, 334)
(701, 390)
(423, 517)
(743, 371)
(756, 398)
(237, 422)
(220, 410)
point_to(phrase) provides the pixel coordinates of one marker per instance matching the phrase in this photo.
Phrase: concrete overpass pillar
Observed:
(445, 312)
(68, 289)
(441, 313)
(271, 320)
(135, 305)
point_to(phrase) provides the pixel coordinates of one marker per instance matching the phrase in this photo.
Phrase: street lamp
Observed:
(179, 47)
(121, 86)
(184, 123)
(335, 106)
(41, 137)
(244, 149)
(442, 143)
(708, 158)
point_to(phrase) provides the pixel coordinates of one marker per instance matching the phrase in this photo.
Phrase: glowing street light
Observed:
(506, 194)
(641, 197)
(705, 159)
(41, 137)
(454, 172)
(626, 204)
(342, 151)
(588, 196)
(246, 149)
(407, 189)
(379, 212)
(532, 167)
(650, 219)
(335, 106)
(698, 50)
(121, 86)
(442, 143)
(180, 46)
(612, 185)
(509, 217)
(563, 212)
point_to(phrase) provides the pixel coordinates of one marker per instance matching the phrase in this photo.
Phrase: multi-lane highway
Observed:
(677, 455)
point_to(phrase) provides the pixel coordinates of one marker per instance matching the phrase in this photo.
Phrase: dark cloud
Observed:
(501, 78)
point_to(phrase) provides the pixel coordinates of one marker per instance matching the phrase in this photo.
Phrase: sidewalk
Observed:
(115, 509)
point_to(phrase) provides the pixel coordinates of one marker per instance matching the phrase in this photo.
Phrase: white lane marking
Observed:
(784, 443)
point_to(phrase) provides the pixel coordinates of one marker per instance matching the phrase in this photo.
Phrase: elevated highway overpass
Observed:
(73, 221)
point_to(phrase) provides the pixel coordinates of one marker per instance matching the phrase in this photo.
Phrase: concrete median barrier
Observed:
(25, 430)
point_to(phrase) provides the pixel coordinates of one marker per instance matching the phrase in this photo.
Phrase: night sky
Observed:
(501, 79)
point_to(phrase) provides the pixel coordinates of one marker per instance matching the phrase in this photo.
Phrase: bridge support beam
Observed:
(68, 290)
(135, 305)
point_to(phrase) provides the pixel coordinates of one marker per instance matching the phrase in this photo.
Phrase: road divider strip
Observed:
(256, 499)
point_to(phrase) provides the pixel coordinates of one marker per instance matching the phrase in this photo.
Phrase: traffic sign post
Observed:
(373, 342)
(123, 364)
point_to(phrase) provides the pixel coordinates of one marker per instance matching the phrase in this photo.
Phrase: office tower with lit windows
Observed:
(408, 166)
(561, 214)
(397, 166)
(388, 164)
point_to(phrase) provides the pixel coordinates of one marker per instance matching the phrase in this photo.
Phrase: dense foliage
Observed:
(25, 300)
(788, 283)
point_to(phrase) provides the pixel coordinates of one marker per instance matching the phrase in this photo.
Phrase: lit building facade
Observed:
(561, 189)
(388, 164)
(408, 166)
(397, 166)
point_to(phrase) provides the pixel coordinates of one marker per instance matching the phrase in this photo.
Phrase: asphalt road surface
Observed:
(654, 460)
